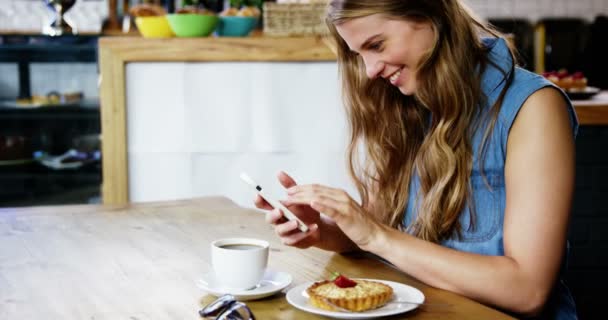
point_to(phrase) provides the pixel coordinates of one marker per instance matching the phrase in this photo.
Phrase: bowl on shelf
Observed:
(154, 27)
(236, 26)
(192, 24)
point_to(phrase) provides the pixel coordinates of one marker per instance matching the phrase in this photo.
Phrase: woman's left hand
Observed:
(352, 219)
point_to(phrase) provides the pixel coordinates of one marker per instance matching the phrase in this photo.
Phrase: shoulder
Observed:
(544, 112)
(532, 91)
(545, 102)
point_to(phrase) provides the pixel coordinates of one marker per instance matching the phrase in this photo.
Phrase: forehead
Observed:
(356, 31)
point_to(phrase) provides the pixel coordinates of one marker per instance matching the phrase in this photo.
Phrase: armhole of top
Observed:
(509, 117)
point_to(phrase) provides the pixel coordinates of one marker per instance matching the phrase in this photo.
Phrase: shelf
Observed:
(54, 195)
(85, 109)
(34, 170)
(48, 49)
(55, 175)
(51, 128)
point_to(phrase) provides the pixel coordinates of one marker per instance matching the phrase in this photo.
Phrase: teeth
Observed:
(395, 76)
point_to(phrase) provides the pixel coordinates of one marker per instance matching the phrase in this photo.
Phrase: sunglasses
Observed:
(226, 307)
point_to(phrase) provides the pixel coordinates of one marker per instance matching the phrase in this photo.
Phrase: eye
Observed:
(375, 46)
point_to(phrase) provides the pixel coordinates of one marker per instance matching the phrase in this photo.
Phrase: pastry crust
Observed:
(366, 295)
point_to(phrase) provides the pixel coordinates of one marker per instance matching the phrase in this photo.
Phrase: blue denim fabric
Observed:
(485, 236)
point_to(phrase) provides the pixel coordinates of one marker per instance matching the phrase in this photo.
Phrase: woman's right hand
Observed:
(288, 230)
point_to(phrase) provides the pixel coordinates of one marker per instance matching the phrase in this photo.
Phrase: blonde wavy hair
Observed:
(397, 133)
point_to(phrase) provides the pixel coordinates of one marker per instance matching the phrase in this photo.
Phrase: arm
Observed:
(539, 177)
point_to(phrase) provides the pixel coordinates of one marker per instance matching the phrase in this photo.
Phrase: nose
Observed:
(373, 66)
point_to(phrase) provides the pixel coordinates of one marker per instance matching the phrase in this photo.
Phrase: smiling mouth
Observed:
(394, 77)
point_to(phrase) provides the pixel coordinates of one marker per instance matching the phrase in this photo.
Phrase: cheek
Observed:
(400, 57)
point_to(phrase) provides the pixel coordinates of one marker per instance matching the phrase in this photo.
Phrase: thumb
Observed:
(286, 180)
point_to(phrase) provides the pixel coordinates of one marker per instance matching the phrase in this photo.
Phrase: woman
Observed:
(468, 168)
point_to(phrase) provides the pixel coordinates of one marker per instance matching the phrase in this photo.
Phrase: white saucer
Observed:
(273, 282)
(298, 298)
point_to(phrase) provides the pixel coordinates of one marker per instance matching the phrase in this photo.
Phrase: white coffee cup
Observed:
(239, 263)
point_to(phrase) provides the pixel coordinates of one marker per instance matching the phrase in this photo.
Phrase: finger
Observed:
(330, 207)
(285, 229)
(318, 189)
(297, 237)
(299, 199)
(286, 180)
(261, 203)
(306, 197)
(274, 216)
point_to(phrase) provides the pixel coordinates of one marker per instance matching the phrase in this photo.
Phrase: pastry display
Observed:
(52, 98)
(147, 10)
(195, 10)
(353, 295)
(229, 12)
(250, 11)
(569, 82)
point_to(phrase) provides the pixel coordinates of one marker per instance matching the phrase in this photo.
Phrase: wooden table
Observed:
(142, 261)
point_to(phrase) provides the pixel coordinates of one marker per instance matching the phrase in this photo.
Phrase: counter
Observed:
(593, 111)
(180, 117)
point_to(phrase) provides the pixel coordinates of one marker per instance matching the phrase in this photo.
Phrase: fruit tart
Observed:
(567, 81)
(353, 295)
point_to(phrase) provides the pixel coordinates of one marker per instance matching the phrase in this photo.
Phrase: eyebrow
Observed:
(369, 40)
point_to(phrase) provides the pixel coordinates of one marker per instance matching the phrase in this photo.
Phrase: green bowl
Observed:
(235, 26)
(192, 24)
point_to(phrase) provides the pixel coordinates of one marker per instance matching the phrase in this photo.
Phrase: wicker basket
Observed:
(294, 19)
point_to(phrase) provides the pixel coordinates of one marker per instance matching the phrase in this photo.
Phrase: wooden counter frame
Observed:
(116, 52)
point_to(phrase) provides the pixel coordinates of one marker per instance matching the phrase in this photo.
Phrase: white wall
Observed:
(31, 15)
(535, 9)
(47, 77)
(9, 83)
(88, 14)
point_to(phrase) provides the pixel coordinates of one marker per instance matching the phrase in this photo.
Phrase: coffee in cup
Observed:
(239, 263)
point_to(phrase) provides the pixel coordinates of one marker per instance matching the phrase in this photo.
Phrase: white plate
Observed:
(273, 282)
(298, 298)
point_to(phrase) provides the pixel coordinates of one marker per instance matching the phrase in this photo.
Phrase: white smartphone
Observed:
(276, 204)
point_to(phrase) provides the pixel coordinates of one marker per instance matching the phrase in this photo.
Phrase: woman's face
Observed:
(391, 49)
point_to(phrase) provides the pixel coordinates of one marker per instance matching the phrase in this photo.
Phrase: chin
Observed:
(407, 91)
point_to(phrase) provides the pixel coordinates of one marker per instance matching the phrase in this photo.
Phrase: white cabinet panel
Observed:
(193, 127)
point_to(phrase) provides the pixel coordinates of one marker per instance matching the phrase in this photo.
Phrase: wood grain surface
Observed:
(143, 261)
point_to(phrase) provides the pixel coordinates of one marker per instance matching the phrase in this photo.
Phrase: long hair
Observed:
(428, 133)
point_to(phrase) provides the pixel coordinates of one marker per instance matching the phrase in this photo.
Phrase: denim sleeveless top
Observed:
(486, 236)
